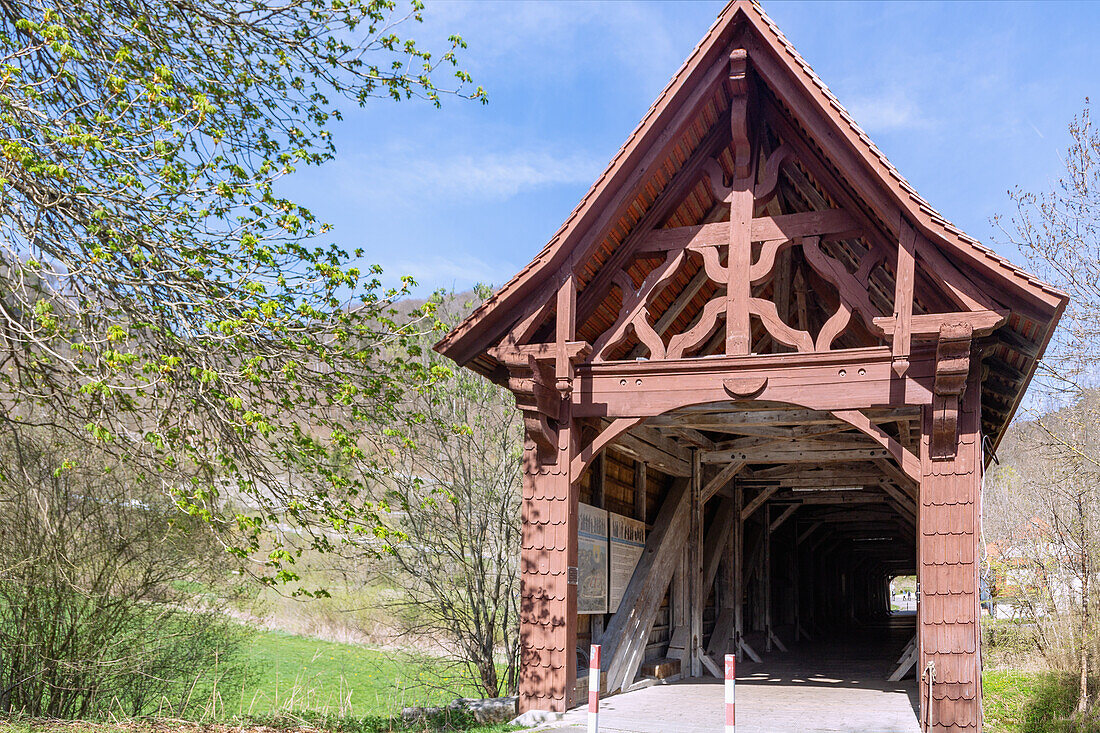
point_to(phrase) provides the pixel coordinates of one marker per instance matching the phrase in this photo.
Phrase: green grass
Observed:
(255, 725)
(1033, 702)
(295, 682)
(294, 673)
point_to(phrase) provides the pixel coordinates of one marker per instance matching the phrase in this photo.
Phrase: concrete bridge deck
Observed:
(835, 686)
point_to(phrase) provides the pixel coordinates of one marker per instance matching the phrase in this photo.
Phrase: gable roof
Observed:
(831, 127)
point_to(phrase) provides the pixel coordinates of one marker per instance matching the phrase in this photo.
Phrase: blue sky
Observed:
(967, 100)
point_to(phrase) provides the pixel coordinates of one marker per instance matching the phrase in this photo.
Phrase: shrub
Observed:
(95, 614)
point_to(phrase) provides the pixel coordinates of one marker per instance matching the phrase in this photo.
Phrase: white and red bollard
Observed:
(731, 693)
(594, 689)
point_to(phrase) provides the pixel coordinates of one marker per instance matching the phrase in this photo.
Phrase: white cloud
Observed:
(891, 110)
(459, 273)
(404, 175)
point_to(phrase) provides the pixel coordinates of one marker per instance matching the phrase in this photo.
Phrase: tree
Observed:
(159, 299)
(1059, 234)
(455, 490)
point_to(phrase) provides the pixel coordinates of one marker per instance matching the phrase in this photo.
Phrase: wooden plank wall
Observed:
(620, 496)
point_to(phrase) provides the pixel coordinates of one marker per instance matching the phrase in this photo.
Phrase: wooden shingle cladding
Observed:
(950, 525)
(753, 304)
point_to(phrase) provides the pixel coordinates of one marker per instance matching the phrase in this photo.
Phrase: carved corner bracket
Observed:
(952, 368)
(532, 378)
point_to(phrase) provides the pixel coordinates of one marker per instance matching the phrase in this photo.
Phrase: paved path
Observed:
(835, 687)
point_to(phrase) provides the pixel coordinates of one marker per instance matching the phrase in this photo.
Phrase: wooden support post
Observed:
(695, 555)
(947, 612)
(738, 570)
(766, 577)
(548, 591)
(640, 475)
(565, 334)
(903, 297)
(796, 605)
(598, 474)
(738, 287)
(721, 636)
(679, 620)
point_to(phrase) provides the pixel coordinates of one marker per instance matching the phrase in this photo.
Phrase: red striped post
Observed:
(594, 689)
(731, 695)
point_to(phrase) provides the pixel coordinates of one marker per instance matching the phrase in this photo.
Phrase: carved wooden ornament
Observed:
(952, 368)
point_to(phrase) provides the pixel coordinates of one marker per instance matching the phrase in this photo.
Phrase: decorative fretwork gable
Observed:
(748, 215)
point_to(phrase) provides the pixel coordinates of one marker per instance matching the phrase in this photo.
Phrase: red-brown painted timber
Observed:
(948, 525)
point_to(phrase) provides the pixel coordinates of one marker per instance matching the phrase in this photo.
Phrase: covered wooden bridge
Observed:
(753, 336)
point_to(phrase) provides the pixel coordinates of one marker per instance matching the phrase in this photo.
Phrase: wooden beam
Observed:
(926, 327)
(662, 442)
(759, 418)
(658, 457)
(692, 437)
(756, 503)
(797, 472)
(826, 438)
(909, 463)
(784, 226)
(717, 539)
(901, 478)
(1004, 370)
(778, 521)
(832, 380)
(616, 429)
(840, 479)
(640, 489)
(904, 502)
(519, 355)
(820, 455)
(908, 659)
(841, 495)
(627, 631)
(809, 531)
(1018, 343)
(721, 479)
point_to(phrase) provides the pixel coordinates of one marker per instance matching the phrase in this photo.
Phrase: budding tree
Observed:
(1059, 233)
(159, 298)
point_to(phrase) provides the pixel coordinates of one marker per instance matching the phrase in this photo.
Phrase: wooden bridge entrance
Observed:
(755, 346)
